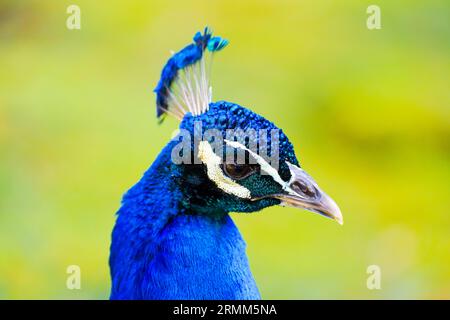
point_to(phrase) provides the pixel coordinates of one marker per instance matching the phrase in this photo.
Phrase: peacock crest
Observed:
(184, 85)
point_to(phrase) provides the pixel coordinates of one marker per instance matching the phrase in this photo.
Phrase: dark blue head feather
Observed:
(223, 115)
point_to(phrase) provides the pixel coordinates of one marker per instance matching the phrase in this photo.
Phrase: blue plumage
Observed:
(173, 237)
(162, 249)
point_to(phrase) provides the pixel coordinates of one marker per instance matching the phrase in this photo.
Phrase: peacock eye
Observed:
(238, 171)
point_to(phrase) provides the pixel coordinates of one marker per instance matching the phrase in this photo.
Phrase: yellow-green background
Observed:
(368, 113)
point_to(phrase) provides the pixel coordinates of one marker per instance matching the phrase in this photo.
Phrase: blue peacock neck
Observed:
(164, 249)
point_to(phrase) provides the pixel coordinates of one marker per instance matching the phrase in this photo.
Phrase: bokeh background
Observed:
(368, 113)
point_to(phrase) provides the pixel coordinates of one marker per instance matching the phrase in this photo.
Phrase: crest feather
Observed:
(184, 84)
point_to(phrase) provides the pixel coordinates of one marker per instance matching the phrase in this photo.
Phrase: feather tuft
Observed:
(184, 86)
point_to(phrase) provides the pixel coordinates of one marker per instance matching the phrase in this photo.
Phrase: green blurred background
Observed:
(368, 113)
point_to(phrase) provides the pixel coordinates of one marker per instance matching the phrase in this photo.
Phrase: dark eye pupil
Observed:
(237, 171)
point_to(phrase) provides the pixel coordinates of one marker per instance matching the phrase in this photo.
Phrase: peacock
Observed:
(173, 237)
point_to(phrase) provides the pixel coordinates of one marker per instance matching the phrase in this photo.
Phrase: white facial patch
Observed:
(265, 166)
(215, 173)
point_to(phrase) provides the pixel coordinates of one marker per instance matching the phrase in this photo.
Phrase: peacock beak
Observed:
(303, 192)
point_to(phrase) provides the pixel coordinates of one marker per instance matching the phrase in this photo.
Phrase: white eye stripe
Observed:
(265, 166)
(215, 173)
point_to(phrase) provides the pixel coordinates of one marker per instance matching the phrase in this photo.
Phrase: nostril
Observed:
(301, 187)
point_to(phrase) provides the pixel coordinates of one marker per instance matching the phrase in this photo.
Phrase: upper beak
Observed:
(303, 192)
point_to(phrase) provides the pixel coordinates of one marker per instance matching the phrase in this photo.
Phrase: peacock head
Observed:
(226, 157)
